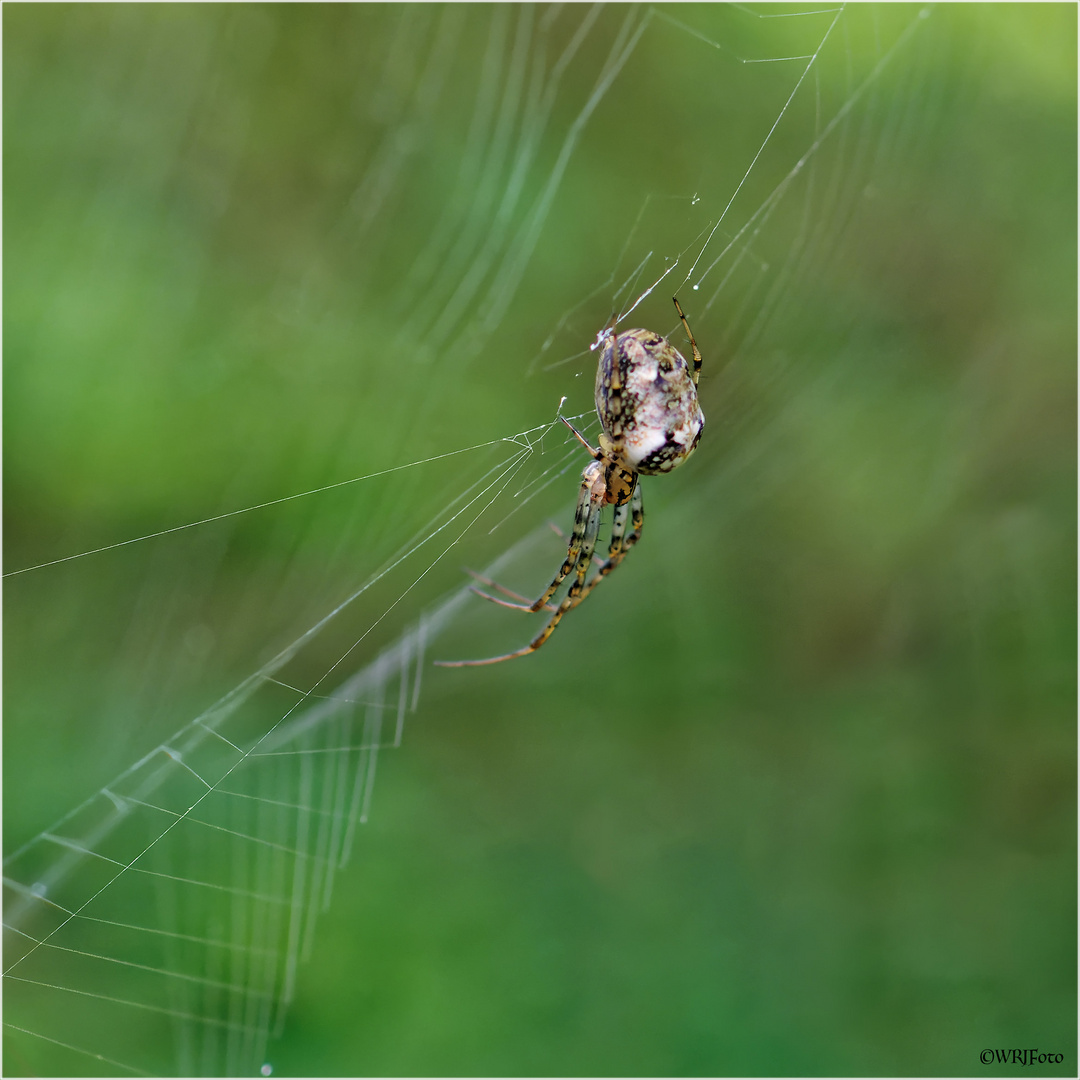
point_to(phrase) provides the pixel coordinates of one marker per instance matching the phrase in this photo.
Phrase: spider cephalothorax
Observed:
(650, 419)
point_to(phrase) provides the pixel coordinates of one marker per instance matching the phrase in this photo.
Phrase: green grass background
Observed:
(795, 792)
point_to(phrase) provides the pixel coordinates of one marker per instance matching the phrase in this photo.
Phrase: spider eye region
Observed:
(647, 402)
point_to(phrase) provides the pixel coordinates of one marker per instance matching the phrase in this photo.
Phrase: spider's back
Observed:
(652, 400)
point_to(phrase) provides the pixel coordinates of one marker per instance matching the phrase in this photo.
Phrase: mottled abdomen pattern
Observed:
(649, 402)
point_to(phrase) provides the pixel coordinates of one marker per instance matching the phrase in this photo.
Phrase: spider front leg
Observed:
(592, 489)
(578, 559)
(577, 589)
(523, 602)
(620, 543)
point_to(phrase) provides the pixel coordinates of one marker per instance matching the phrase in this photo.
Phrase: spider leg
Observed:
(583, 562)
(620, 542)
(571, 555)
(563, 537)
(596, 455)
(573, 597)
(617, 550)
(579, 555)
(524, 605)
(584, 513)
(693, 343)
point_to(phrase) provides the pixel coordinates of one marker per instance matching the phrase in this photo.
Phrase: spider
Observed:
(651, 422)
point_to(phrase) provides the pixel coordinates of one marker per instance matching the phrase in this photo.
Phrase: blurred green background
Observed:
(795, 792)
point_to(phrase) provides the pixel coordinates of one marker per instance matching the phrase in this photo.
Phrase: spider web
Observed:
(160, 926)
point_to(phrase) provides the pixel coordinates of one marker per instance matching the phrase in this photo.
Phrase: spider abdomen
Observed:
(648, 402)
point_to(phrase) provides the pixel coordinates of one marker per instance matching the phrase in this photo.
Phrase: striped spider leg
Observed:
(594, 495)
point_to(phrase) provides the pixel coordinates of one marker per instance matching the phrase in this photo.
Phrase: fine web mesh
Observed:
(160, 925)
